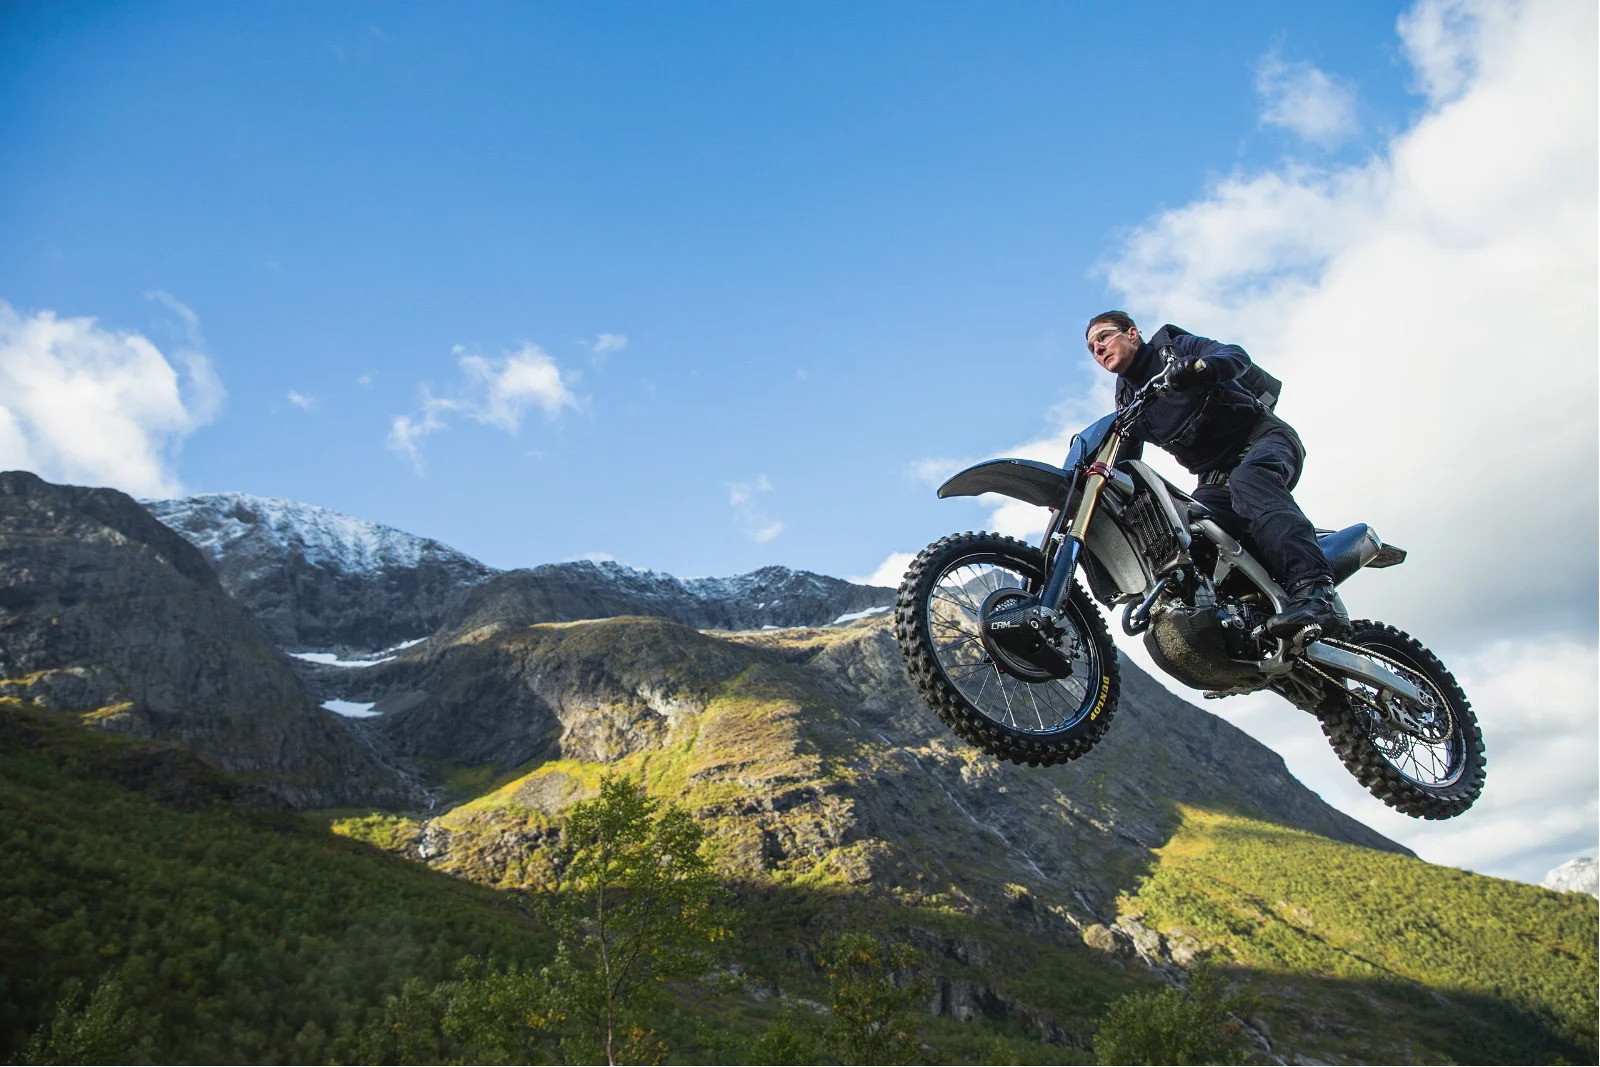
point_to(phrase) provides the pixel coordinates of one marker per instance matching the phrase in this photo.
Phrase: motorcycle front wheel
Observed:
(990, 700)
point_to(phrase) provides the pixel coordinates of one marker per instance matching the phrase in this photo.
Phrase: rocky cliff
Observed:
(319, 580)
(107, 613)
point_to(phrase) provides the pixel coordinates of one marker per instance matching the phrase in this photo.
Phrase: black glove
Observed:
(1191, 374)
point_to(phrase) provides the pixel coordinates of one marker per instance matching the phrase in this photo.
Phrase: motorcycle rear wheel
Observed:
(938, 616)
(1433, 770)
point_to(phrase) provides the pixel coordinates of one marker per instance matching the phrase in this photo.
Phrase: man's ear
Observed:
(1133, 331)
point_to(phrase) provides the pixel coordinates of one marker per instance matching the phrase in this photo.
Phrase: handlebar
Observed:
(1160, 383)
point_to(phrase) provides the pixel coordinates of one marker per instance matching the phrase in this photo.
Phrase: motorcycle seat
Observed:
(1346, 550)
(1349, 549)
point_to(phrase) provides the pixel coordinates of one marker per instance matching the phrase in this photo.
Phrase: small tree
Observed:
(493, 1015)
(789, 1040)
(636, 904)
(1175, 1026)
(102, 1028)
(874, 1018)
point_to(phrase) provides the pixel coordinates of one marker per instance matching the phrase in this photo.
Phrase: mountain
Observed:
(813, 756)
(774, 707)
(106, 613)
(319, 580)
(834, 798)
(1575, 876)
(567, 592)
(779, 689)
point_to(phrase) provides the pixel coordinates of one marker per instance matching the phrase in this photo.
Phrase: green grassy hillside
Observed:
(236, 936)
(257, 936)
(240, 936)
(1489, 970)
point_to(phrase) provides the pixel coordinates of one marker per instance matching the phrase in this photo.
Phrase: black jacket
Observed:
(1204, 429)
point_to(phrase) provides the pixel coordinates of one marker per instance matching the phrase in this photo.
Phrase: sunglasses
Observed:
(1099, 336)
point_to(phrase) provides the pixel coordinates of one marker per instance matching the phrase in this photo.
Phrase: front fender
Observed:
(1027, 480)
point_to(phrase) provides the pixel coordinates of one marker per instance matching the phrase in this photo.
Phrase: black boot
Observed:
(1311, 606)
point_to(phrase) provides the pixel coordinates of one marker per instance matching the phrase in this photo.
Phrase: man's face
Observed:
(1112, 348)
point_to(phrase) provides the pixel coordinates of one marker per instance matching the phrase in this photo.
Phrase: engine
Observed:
(1203, 647)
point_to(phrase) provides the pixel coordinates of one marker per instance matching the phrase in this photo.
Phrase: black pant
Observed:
(1254, 501)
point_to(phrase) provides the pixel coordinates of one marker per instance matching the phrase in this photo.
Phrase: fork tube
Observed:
(1055, 591)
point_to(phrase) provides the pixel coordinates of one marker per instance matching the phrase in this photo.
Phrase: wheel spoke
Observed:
(1415, 751)
(1035, 701)
(954, 614)
(1010, 715)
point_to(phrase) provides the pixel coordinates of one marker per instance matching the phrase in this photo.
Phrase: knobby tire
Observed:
(1349, 729)
(914, 634)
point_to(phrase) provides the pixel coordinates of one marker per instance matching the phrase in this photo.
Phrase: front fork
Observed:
(1094, 479)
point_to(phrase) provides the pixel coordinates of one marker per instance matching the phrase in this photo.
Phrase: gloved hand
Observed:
(1191, 374)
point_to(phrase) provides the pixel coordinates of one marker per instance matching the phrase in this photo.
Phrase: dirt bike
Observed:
(1005, 645)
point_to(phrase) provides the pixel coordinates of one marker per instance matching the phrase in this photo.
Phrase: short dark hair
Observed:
(1119, 319)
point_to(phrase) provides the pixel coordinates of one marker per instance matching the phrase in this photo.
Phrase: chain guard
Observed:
(1392, 710)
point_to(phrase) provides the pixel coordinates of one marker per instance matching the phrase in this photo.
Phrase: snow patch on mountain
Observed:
(1575, 876)
(333, 659)
(852, 616)
(350, 709)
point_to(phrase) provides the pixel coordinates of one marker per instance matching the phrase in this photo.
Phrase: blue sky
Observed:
(822, 228)
(707, 286)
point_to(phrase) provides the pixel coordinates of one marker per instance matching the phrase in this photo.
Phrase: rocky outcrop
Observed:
(106, 612)
(318, 580)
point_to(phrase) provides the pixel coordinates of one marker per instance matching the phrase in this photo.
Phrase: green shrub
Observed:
(1176, 1026)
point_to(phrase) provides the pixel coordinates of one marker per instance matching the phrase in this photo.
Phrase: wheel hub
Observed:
(1021, 637)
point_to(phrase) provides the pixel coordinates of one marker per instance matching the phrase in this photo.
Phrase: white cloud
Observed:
(494, 392)
(1302, 99)
(83, 404)
(407, 433)
(365, 381)
(1418, 294)
(603, 346)
(889, 572)
(1432, 312)
(203, 390)
(751, 517)
(499, 391)
(300, 400)
(1448, 42)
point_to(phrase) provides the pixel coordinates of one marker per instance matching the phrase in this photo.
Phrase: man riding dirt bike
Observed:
(1247, 458)
(1231, 587)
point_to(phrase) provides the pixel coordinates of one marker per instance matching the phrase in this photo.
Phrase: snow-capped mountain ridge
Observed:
(738, 587)
(1580, 875)
(213, 522)
(584, 589)
(319, 580)
(315, 578)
